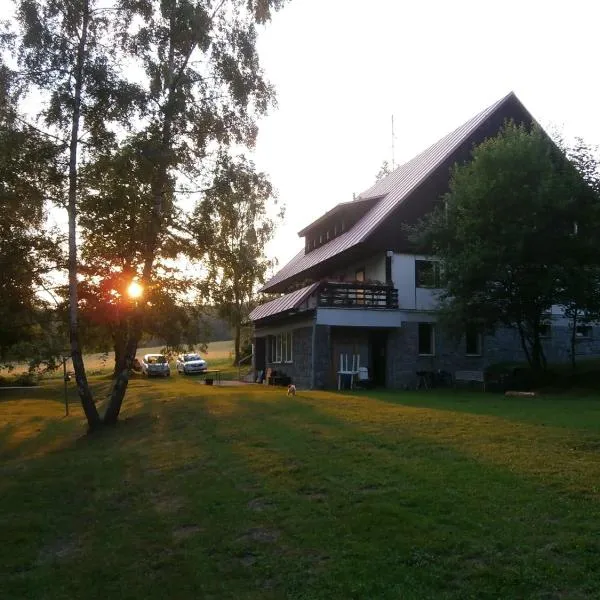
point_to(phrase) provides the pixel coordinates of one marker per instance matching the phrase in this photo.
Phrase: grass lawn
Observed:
(223, 492)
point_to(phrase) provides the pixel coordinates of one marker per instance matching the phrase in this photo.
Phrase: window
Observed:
(426, 339)
(473, 341)
(427, 274)
(288, 341)
(583, 332)
(281, 347)
(546, 329)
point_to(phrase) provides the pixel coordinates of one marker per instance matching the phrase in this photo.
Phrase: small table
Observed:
(211, 374)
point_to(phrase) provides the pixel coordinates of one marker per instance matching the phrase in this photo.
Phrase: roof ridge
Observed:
(376, 190)
(393, 190)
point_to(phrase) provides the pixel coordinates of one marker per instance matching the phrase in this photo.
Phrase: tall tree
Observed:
(205, 89)
(502, 232)
(579, 286)
(29, 176)
(115, 214)
(67, 51)
(233, 223)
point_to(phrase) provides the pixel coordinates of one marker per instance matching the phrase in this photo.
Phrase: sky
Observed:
(342, 68)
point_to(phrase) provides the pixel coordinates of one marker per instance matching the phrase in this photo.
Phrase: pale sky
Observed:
(343, 67)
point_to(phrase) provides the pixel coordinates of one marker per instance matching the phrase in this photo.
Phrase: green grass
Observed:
(208, 492)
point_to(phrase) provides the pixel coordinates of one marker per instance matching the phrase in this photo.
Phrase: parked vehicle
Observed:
(155, 364)
(190, 363)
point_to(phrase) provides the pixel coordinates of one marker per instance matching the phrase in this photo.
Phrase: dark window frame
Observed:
(424, 280)
(431, 339)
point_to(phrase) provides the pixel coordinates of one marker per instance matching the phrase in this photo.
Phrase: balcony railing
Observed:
(357, 295)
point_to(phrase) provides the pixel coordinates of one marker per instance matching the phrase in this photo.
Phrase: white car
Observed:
(155, 364)
(190, 363)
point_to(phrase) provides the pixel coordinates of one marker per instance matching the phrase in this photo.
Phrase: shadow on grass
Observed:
(250, 494)
(556, 410)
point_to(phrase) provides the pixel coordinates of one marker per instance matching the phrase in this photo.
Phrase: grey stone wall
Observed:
(322, 362)
(403, 360)
(300, 367)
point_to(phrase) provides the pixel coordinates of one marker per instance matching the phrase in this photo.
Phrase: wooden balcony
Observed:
(357, 295)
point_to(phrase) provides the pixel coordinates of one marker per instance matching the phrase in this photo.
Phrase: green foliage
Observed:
(28, 250)
(384, 170)
(234, 225)
(505, 233)
(193, 87)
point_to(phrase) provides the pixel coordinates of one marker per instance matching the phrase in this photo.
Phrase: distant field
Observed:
(217, 351)
(218, 355)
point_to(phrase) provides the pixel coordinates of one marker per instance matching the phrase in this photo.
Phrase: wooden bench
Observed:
(470, 376)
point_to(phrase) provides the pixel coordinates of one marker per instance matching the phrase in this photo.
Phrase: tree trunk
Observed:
(524, 344)
(121, 381)
(236, 343)
(120, 347)
(135, 331)
(85, 394)
(159, 186)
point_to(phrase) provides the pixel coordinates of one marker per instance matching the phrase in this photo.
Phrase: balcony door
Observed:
(360, 293)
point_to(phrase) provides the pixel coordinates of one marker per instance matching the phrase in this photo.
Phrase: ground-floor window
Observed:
(426, 339)
(281, 347)
(583, 332)
(473, 341)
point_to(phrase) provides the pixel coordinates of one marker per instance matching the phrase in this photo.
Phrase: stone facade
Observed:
(322, 360)
(300, 368)
(315, 362)
(403, 360)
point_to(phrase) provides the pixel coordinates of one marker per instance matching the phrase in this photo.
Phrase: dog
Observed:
(291, 390)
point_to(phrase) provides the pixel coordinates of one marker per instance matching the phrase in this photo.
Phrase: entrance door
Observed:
(260, 356)
(377, 366)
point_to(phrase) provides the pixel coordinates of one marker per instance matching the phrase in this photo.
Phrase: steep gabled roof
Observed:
(283, 304)
(392, 190)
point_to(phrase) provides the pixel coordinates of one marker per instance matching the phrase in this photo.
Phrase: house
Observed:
(356, 291)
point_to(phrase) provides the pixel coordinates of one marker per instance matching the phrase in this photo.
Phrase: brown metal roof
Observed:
(393, 190)
(283, 304)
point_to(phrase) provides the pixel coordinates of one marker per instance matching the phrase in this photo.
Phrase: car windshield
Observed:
(190, 357)
(156, 359)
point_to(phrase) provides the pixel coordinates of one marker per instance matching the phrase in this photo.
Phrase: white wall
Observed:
(403, 275)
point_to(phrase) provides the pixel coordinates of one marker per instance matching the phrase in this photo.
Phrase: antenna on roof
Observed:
(393, 146)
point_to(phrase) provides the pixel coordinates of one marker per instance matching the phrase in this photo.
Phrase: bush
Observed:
(21, 379)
